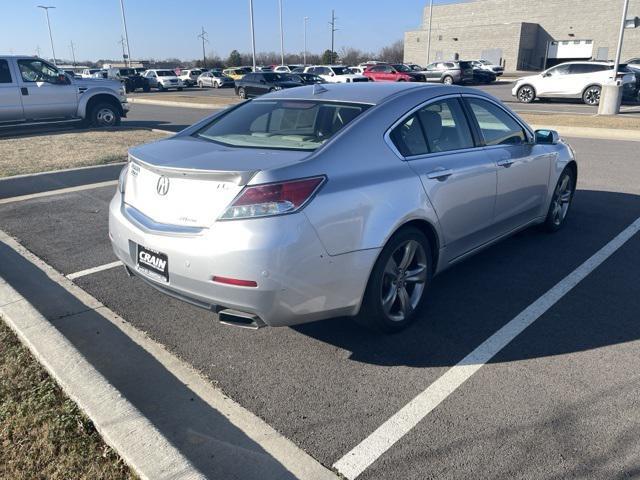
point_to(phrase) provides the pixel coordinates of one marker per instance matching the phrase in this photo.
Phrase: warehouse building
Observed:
(523, 34)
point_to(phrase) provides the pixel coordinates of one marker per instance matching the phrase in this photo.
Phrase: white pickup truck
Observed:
(34, 91)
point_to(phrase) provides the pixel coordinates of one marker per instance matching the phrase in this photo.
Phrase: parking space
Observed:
(551, 404)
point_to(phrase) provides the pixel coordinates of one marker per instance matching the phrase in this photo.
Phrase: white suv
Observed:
(163, 79)
(336, 74)
(190, 77)
(581, 80)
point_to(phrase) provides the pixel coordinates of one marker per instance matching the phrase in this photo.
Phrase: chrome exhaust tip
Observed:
(236, 318)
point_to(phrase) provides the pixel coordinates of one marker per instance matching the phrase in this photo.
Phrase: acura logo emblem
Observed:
(163, 185)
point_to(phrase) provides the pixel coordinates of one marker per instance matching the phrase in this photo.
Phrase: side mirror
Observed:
(62, 79)
(546, 74)
(547, 137)
(332, 74)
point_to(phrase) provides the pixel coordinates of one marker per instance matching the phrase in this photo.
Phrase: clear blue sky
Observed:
(163, 28)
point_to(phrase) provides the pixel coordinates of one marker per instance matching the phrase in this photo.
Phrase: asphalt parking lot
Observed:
(560, 401)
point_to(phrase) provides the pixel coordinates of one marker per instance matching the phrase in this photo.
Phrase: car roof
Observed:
(372, 93)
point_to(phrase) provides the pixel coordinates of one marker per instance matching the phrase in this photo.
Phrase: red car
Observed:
(393, 73)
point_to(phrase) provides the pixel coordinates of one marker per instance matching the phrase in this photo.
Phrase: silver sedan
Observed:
(334, 200)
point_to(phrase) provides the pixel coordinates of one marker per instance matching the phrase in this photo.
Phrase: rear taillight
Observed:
(273, 198)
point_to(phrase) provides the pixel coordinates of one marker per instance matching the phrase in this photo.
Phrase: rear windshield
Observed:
(166, 73)
(276, 77)
(281, 124)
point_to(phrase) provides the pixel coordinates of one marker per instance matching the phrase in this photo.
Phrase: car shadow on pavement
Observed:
(472, 300)
(213, 445)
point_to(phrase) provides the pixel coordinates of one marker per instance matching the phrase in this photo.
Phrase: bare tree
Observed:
(394, 53)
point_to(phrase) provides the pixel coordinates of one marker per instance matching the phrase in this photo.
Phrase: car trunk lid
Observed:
(190, 182)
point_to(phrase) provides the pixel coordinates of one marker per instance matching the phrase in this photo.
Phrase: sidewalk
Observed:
(160, 415)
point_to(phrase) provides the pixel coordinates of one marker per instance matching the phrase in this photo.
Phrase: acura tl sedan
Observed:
(334, 200)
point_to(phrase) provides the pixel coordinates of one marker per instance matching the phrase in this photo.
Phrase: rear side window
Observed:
(578, 68)
(496, 125)
(439, 127)
(5, 74)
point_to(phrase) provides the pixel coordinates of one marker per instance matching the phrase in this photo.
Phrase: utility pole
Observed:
(304, 53)
(281, 35)
(126, 35)
(333, 31)
(38, 50)
(46, 9)
(253, 35)
(73, 53)
(123, 42)
(203, 36)
(429, 30)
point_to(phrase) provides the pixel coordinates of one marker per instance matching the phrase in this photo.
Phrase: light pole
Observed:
(304, 53)
(253, 35)
(281, 34)
(126, 35)
(46, 9)
(429, 37)
(73, 53)
(611, 93)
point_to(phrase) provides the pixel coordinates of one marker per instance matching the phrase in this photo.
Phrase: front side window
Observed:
(496, 125)
(5, 74)
(341, 70)
(37, 71)
(281, 124)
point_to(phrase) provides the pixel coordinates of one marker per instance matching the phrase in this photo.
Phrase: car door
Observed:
(554, 82)
(458, 176)
(10, 96)
(153, 78)
(46, 92)
(523, 167)
(432, 74)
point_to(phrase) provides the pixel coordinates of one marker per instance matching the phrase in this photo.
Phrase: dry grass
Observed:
(42, 153)
(43, 435)
(214, 101)
(618, 122)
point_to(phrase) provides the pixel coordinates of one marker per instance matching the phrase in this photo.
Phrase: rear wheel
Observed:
(104, 115)
(447, 80)
(526, 94)
(216, 85)
(561, 201)
(591, 95)
(397, 285)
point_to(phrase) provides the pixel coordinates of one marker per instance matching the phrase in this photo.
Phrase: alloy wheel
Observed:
(404, 280)
(592, 96)
(525, 94)
(561, 200)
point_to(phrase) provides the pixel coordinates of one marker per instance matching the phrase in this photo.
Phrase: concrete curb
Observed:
(168, 103)
(594, 132)
(244, 445)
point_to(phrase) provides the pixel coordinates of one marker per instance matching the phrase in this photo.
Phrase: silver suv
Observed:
(33, 91)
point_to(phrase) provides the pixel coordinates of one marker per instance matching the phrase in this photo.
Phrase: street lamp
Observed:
(126, 35)
(281, 34)
(429, 37)
(253, 35)
(304, 53)
(46, 9)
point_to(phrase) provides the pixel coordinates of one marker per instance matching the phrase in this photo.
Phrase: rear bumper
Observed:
(297, 281)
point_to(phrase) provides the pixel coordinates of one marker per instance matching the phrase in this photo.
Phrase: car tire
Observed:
(591, 95)
(447, 80)
(393, 297)
(241, 93)
(526, 94)
(104, 114)
(561, 201)
(216, 85)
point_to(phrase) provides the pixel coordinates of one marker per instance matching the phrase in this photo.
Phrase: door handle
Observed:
(507, 162)
(441, 174)
(24, 90)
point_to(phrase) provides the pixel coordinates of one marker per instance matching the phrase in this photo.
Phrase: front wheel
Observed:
(526, 94)
(104, 115)
(216, 85)
(447, 80)
(241, 93)
(397, 285)
(561, 201)
(591, 95)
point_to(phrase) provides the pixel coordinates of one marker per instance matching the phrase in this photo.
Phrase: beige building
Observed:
(523, 34)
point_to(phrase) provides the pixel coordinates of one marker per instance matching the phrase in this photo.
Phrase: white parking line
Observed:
(89, 271)
(372, 447)
(60, 191)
